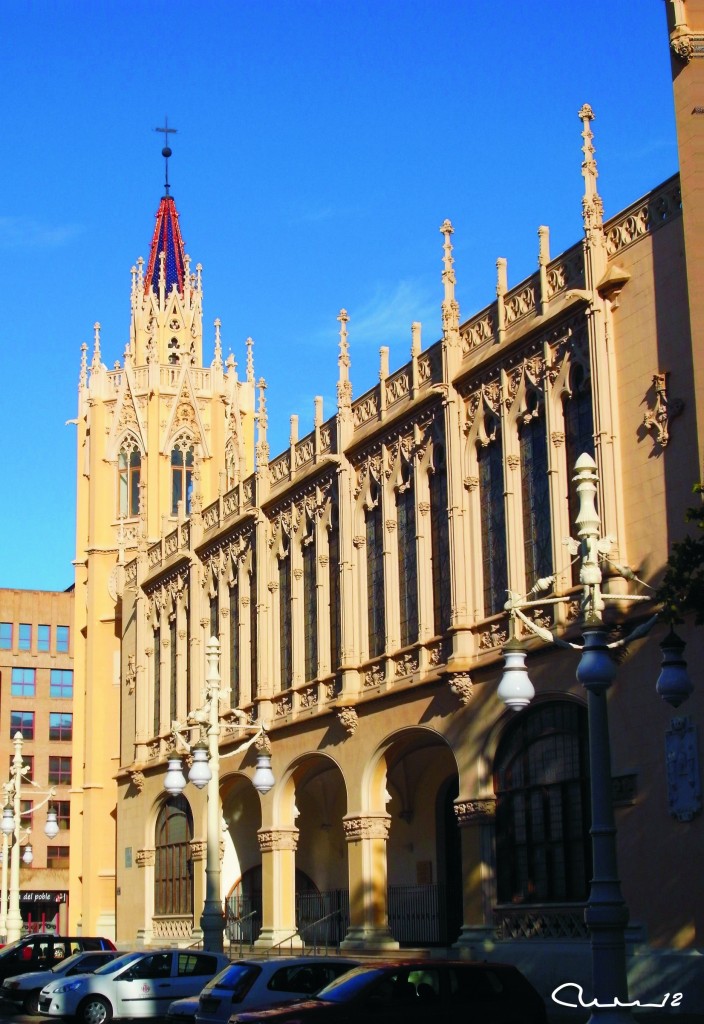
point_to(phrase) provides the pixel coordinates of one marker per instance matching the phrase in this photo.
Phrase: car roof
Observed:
(310, 958)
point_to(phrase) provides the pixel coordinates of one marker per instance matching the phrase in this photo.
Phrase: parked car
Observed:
(411, 992)
(40, 952)
(255, 984)
(24, 989)
(134, 985)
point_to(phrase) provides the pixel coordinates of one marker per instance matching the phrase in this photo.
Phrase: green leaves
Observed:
(682, 588)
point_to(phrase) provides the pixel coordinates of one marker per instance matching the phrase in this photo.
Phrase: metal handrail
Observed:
(239, 920)
(315, 947)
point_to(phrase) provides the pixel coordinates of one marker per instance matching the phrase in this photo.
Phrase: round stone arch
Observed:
(393, 748)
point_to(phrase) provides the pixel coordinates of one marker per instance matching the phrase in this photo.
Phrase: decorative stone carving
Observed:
(283, 706)
(374, 676)
(461, 684)
(684, 780)
(146, 858)
(308, 698)
(558, 438)
(348, 720)
(424, 507)
(475, 812)
(130, 675)
(513, 461)
(657, 419)
(357, 828)
(495, 636)
(406, 665)
(278, 839)
(198, 849)
(137, 780)
(359, 541)
(471, 483)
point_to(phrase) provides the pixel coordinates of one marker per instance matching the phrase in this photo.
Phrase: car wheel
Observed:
(31, 1002)
(95, 1010)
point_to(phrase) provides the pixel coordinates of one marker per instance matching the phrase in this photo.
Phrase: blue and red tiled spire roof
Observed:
(167, 234)
(167, 239)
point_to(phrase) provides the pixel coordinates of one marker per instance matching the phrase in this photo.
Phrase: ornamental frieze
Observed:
(146, 858)
(366, 827)
(475, 812)
(278, 839)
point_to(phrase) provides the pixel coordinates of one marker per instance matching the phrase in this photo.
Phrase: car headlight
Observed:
(68, 986)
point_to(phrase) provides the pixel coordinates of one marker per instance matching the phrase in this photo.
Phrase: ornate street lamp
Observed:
(10, 825)
(606, 913)
(205, 772)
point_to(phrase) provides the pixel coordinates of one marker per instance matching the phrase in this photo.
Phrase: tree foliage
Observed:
(682, 588)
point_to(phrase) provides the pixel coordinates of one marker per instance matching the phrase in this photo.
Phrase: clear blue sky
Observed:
(320, 145)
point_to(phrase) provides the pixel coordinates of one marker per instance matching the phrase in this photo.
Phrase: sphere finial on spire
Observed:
(166, 151)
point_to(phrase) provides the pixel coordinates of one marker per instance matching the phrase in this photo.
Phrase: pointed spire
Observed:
(83, 375)
(217, 361)
(592, 205)
(166, 243)
(344, 387)
(262, 447)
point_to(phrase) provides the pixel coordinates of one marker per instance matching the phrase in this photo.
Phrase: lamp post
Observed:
(205, 771)
(606, 914)
(11, 826)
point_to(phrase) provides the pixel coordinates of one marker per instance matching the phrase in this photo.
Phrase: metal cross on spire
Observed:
(166, 151)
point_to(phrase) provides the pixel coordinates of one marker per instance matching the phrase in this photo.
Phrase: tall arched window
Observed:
(579, 438)
(310, 606)
(173, 873)
(440, 541)
(374, 535)
(535, 491)
(541, 781)
(407, 563)
(285, 653)
(334, 580)
(181, 475)
(493, 525)
(129, 468)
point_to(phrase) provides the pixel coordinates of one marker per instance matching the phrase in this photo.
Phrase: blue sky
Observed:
(320, 146)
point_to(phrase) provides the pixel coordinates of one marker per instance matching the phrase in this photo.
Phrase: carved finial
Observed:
(250, 360)
(450, 306)
(217, 361)
(415, 339)
(344, 387)
(383, 362)
(318, 411)
(592, 205)
(262, 448)
(231, 365)
(140, 274)
(83, 375)
(95, 364)
(293, 433)
(543, 245)
(162, 270)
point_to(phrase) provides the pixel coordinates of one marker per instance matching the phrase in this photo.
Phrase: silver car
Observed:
(24, 989)
(257, 984)
(134, 985)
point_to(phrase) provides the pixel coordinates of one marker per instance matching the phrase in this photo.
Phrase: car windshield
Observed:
(67, 964)
(234, 977)
(115, 965)
(350, 985)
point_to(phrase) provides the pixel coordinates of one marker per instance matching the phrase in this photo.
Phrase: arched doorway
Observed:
(243, 907)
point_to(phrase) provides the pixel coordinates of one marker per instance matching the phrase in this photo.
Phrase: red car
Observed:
(415, 991)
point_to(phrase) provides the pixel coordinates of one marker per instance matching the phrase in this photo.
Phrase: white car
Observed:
(24, 989)
(134, 985)
(257, 984)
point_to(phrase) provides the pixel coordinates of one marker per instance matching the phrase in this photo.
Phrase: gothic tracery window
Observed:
(129, 468)
(310, 606)
(579, 438)
(173, 869)
(234, 620)
(334, 581)
(285, 652)
(182, 460)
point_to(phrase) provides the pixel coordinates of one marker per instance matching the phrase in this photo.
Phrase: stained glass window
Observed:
(129, 469)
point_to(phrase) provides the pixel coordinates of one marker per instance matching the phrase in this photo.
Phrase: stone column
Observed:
(146, 859)
(476, 822)
(367, 836)
(278, 847)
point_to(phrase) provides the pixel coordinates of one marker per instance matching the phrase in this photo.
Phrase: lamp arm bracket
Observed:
(242, 747)
(636, 634)
(543, 633)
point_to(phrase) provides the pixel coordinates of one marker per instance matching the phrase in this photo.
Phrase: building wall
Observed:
(52, 609)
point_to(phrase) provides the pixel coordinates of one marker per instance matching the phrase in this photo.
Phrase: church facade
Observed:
(356, 586)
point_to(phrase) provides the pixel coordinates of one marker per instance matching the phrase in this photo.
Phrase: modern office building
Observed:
(36, 700)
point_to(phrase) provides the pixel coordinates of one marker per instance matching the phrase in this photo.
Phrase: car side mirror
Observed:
(127, 976)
